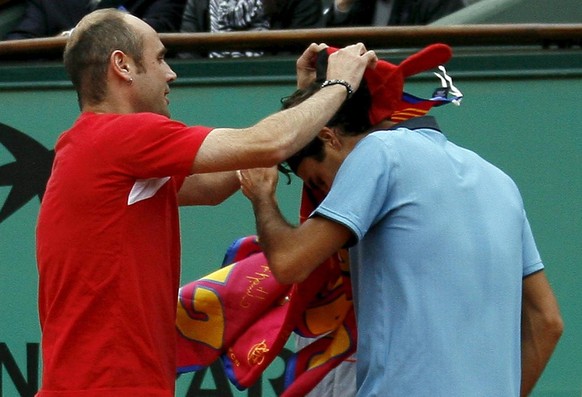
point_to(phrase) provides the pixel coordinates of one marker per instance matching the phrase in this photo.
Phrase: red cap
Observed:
(386, 84)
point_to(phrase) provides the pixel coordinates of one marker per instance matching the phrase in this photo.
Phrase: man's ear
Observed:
(119, 63)
(330, 137)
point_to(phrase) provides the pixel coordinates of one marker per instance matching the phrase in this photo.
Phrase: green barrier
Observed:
(521, 111)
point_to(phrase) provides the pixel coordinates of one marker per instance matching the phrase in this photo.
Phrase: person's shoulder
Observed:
(128, 122)
(143, 119)
(120, 117)
(388, 134)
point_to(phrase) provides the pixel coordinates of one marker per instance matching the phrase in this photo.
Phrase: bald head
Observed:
(90, 46)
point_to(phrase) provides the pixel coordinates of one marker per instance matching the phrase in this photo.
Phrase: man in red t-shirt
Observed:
(107, 238)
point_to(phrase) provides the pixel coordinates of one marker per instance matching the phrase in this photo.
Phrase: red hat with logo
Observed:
(386, 84)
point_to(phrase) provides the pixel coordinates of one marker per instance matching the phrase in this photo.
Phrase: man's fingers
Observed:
(372, 58)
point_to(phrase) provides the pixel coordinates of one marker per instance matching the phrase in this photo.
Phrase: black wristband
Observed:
(349, 88)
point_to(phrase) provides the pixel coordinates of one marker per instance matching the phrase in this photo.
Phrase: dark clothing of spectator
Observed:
(288, 14)
(265, 15)
(45, 18)
(403, 12)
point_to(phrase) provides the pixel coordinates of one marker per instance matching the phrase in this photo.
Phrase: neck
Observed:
(107, 107)
(383, 125)
(349, 141)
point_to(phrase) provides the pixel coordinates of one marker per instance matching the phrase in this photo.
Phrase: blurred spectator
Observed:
(342, 13)
(45, 18)
(248, 15)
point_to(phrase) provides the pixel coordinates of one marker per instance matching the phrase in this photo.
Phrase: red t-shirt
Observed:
(108, 251)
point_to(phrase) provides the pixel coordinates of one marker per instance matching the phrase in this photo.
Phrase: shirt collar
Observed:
(417, 123)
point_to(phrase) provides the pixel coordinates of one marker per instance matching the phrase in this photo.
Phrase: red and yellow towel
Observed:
(243, 316)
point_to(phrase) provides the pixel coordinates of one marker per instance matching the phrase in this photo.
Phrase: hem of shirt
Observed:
(334, 217)
(533, 269)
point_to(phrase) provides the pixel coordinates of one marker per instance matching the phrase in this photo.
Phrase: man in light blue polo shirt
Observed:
(449, 289)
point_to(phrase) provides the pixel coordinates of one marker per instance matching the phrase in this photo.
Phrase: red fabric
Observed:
(331, 314)
(215, 312)
(386, 81)
(241, 314)
(109, 271)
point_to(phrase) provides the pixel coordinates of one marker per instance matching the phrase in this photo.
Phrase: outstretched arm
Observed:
(208, 189)
(293, 253)
(277, 137)
(541, 326)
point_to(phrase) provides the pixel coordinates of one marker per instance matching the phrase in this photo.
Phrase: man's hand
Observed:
(258, 184)
(350, 63)
(306, 65)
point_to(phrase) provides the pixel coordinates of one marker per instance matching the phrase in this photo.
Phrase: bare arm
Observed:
(208, 189)
(282, 134)
(293, 253)
(542, 327)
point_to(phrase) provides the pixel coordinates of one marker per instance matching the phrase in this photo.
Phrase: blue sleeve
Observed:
(359, 195)
(532, 261)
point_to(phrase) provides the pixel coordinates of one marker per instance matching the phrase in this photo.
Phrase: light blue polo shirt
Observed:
(443, 243)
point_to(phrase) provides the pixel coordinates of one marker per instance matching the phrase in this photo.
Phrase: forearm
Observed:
(208, 189)
(274, 234)
(277, 137)
(293, 253)
(294, 128)
(539, 339)
(541, 328)
(273, 139)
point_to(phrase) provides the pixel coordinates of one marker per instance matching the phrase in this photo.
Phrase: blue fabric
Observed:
(443, 243)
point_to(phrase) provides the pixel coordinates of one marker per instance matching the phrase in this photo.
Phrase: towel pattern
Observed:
(241, 315)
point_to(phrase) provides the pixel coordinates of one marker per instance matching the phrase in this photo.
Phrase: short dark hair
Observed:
(90, 45)
(351, 119)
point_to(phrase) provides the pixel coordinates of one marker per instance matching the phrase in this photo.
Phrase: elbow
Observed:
(285, 277)
(551, 327)
(214, 200)
(555, 327)
(211, 200)
(274, 154)
(553, 323)
(282, 277)
(272, 149)
(285, 272)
